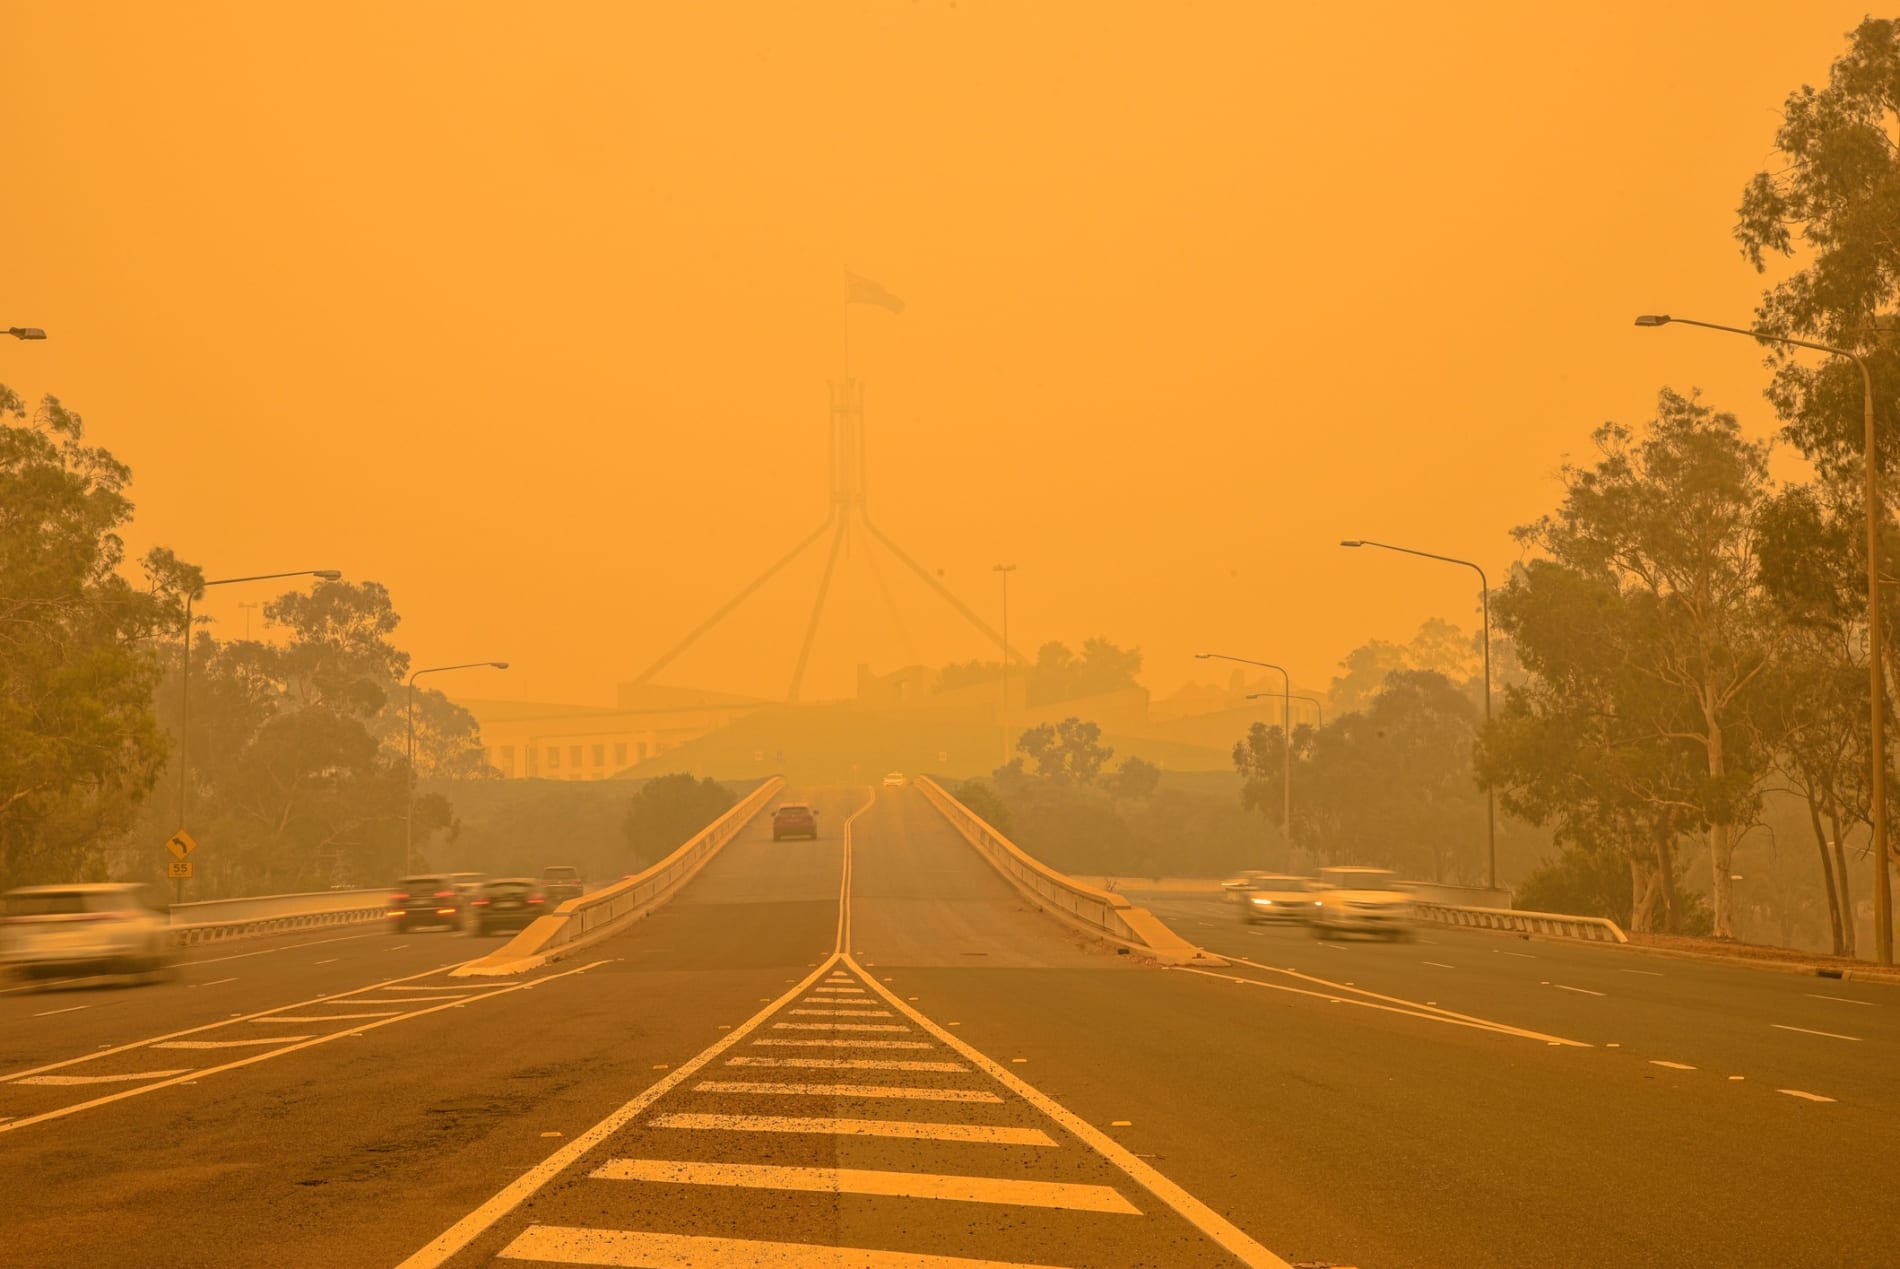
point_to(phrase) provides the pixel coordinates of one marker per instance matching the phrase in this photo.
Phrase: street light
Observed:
(1005, 570)
(1310, 700)
(25, 332)
(1490, 795)
(409, 815)
(184, 688)
(1286, 774)
(1883, 902)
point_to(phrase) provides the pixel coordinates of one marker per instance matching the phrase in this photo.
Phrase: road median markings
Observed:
(564, 1245)
(68, 1080)
(834, 1126)
(868, 1091)
(1832, 1035)
(922, 1185)
(230, 1044)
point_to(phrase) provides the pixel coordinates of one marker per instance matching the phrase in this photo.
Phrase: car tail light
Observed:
(534, 898)
(445, 894)
(481, 903)
(399, 898)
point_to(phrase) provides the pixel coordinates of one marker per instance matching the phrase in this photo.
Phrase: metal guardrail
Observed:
(590, 916)
(212, 920)
(1512, 920)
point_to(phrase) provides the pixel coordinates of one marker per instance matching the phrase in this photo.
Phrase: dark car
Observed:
(507, 903)
(561, 883)
(794, 819)
(429, 899)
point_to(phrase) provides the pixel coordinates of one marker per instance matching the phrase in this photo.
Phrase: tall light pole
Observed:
(409, 814)
(1490, 796)
(184, 684)
(1318, 709)
(1005, 570)
(1876, 701)
(1286, 773)
(24, 332)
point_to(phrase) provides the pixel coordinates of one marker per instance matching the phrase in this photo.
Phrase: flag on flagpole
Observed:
(864, 291)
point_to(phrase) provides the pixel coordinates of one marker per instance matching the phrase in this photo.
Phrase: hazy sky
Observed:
(528, 311)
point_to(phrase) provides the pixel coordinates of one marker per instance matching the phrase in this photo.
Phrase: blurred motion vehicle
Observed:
(95, 927)
(466, 884)
(1361, 900)
(794, 819)
(895, 780)
(507, 903)
(426, 899)
(561, 883)
(1272, 896)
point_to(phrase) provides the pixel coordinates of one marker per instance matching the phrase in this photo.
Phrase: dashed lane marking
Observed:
(1438, 964)
(838, 1013)
(333, 960)
(61, 1080)
(1674, 1066)
(1809, 1097)
(838, 1026)
(833, 1126)
(924, 1185)
(1832, 1035)
(217, 982)
(1647, 973)
(848, 1064)
(68, 1009)
(227, 1044)
(847, 1044)
(1846, 1000)
(849, 1090)
(1581, 991)
(561, 1245)
(276, 1018)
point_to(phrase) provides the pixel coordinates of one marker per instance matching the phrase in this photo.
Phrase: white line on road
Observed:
(964, 1189)
(1522, 956)
(830, 1125)
(270, 1020)
(1582, 991)
(838, 1026)
(847, 1044)
(1432, 1014)
(1846, 1000)
(1439, 964)
(68, 1009)
(333, 960)
(37, 985)
(229, 1044)
(848, 1064)
(1812, 1097)
(560, 1244)
(840, 989)
(101, 1079)
(849, 1090)
(839, 1013)
(1832, 1035)
(288, 947)
(1648, 973)
(217, 982)
(1674, 1066)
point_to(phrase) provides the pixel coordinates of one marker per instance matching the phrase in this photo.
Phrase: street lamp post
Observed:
(409, 813)
(1490, 795)
(24, 332)
(1286, 755)
(1318, 709)
(184, 684)
(1005, 570)
(1883, 902)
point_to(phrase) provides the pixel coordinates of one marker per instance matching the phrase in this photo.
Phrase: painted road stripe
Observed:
(565, 1244)
(959, 1189)
(1438, 964)
(1832, 1035)
(333, 960)
(849, 1090)
(229, 1044)
(1846, 1000)
(217, 982)
(840, 1013)
(1674, 1066)
(68, 1009)
(1810, 1097)
(401, 1000)
(465, 987)
(842, 991)
(913, 1130)
(838, 1026)
(848, 1064)
(1581, 991)
(102, 1079)
(276, 1018)
(1647, 973)
(848, 1044)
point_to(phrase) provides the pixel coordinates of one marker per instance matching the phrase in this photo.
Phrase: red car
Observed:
(794, 819)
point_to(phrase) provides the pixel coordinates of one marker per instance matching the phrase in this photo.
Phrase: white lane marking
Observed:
(848, 1064)
(37, 985)
(1846, 1000)
(255, 1057)
(1812, 1097)
(275, 1018)
(562, 1244)
(471, 985)
(333, 960)
(838, 1026)
(847, 1044)
(1333, 947)
(393, 1000)
(844, 1007)
(831, 1125)
(1648, 973)
(849, 1090)
(1340, 988)
(229, 1044)
(1198, 1214)
(68, 1009)
(1429, 1014)
(1439, 964)
(960, 1189)
(397, 948)
(523, 1187)
(288, 947)
(840, 990)
(1674, 1066)
(1522, 956)
(101, 1079)
(839, 1013)
(216, 982)
(1832, 1035)
(1581, 991)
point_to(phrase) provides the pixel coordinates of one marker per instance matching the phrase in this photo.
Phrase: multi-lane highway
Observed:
(880, 1055)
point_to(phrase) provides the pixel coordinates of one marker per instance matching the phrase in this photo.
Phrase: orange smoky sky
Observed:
(529, 311)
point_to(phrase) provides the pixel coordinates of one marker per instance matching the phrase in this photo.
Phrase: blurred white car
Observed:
(895, 780)
(1363, 901)
(1272, 896)
(94, 927)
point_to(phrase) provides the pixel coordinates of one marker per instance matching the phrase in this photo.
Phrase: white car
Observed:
(94, 927)
(1363, 901)
(1272, 896)
(895, 780)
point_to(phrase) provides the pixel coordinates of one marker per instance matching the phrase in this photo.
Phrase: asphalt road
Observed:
(751, 1076)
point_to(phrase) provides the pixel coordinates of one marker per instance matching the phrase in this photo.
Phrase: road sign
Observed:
(180, 845)
(179, 870)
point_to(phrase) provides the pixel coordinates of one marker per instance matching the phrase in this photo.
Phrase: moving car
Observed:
(1363, 900)
(561, 883)
(507, 903)
(895, 780)
(1272, 896)
(426, 899)
(95, 927)
(794, 819)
